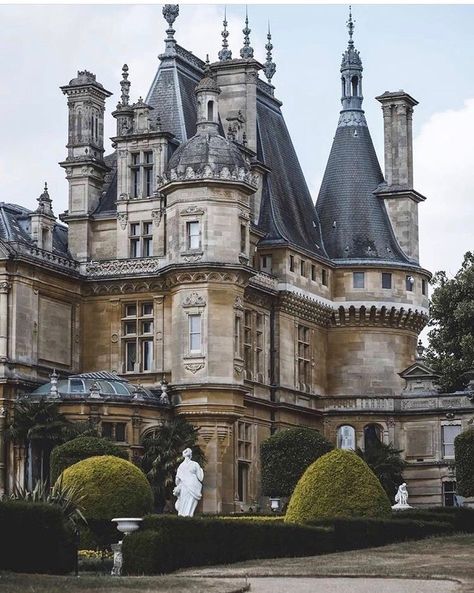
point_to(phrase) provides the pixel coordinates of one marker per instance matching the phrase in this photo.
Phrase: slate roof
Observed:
(15, 226)
(354, 222)
(107, 201)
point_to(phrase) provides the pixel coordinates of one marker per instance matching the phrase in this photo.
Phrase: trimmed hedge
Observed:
(166, 543)
(464, 455)
(461, 518)
(354, 533)
(80, 448)
(338, 484)
(286, 455)
(35, 538)
(111, 487)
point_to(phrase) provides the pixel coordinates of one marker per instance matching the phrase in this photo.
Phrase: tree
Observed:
(40, 426)
(451, 341)
(285, 456)
(464, 454)
(386, 463)
(162, 449)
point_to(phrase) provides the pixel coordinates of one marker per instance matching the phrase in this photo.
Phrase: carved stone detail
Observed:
(119, 267)
(192, 210)
(236, 175)
(122, 218)
(194, 300)
(394, 317)
(5, 286)
(194, 367)
(156, 216)
(239, 303)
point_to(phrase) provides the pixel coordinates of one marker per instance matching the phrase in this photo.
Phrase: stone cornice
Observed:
(380, 316)
(305, 308)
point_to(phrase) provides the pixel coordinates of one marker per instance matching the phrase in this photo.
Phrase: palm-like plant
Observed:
(386, 463)
(162, 455)
(39, 425)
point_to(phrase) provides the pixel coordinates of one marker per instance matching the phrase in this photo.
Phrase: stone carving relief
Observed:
(237, 174)
(194, 367)
(192, 210)
(239, 303)
(194, 300)
(122, 218)
(192, 259)
(156, 216)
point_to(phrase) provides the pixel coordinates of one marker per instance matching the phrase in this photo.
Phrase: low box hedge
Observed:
(354, 533)
(167, 543)
(461, 518)
(35, 538)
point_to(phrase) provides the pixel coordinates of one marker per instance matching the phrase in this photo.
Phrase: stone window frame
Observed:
(304, 356)
(360, 275)
(141, 239)
(139, 168)
(255, 344)
(138, 337)
(443, 443)
(244, 455)
(194, 304)
(192, 214)
(113, 431)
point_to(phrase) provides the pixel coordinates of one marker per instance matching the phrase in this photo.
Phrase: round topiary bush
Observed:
(111, 487)
(285, 456)
(81, 448)
(464, 455)
(338, 484)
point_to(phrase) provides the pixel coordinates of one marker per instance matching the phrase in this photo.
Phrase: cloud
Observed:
(444, 163)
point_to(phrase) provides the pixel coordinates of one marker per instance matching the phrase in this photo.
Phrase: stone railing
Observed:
(45, 256)
(437, 402)
(122, 267)
(264, 280)
(398, 403)
(382, 404)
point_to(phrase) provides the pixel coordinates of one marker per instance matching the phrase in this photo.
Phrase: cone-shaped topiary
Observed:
(112, 487)
(338, 484)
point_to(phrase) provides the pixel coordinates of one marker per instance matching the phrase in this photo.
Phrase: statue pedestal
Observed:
(401, 507)
(117, 567)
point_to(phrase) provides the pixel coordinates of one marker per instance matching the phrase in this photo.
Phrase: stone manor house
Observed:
(193, 275)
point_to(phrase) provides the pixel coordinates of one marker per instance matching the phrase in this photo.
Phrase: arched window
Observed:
(355, 86)
(343, 86)
(372, 435)
(346, 437)
(210, 111)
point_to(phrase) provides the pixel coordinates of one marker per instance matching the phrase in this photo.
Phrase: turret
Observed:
(42, 222)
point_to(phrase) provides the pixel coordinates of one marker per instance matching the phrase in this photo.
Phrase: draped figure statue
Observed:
(188, 481)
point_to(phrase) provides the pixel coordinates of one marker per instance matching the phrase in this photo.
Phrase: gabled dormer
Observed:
(420, 379)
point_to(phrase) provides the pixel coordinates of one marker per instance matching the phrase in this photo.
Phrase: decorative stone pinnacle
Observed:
(350, 27)
(125, 86)
(44, 201)
(269, 67)
(420, 349)
(170, 12)
(247, 51)
(225, 53)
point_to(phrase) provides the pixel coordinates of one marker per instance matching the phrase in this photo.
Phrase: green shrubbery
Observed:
(80, 448)
(338, 484)
(111, 487)
(461, 518)
(286, 455)
(464, 453)
(35, 537)
(166, 543)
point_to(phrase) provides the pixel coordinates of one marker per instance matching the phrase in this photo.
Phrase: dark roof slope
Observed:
(107, 202)
(354, 222)
(287, 214)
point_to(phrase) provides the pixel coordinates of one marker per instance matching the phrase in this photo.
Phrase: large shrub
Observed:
(81, 448)
(464, 454)
(285, 456)
(35, 537)
(166, 543)
(111, 487)
(338, 484)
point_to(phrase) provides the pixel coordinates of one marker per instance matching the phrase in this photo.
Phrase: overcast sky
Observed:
(424, 49)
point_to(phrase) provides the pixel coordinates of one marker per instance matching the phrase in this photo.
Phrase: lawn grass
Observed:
(34, 583)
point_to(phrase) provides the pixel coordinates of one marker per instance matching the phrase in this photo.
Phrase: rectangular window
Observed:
(259, 344)
(244, 441)
(409, 282)
(193, 235)
(107, 430)
(358, 279)
(114, 431)
(424, 287)
(324, 277)
(141, 239)
(120, 432)
(137, 332)
(448, 434)
(237, 337)
(194, 333)
(148, 181)
(292, 263)
(248, 343)
(243, 238)
(302, 267)
(303, 355)
(386, 280)
(135, 183)
(135, 158)
(449, 494)
(242, 480)
(266, 263)
(313, 272)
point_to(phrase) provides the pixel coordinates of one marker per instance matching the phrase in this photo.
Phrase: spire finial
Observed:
(225, 53)
(125, 86)
(44, 202)
(247, 51)
(269, 67)
(350, 27)
(170, 12)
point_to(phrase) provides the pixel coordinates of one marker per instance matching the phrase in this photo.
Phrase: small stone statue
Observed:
(401, 498)
(188, 489)
(117, 567)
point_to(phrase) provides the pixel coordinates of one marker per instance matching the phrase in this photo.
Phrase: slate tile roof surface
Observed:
(109, 192)
(354, 222)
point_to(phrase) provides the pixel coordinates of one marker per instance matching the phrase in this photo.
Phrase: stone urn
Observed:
(127, 525)
(275, 504)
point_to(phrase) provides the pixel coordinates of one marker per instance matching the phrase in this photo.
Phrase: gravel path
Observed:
(348, 585)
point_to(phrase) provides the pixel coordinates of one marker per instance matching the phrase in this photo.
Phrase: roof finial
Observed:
(225, 53)
(125, 86)
(269, 67)
(247, 51)
(170, 12)
(350, 26)
(44, 202)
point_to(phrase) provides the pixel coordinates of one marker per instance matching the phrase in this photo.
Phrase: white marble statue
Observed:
(401, 498)
(188, 489)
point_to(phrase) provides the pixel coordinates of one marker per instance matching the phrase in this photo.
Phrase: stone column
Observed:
(4, 289)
